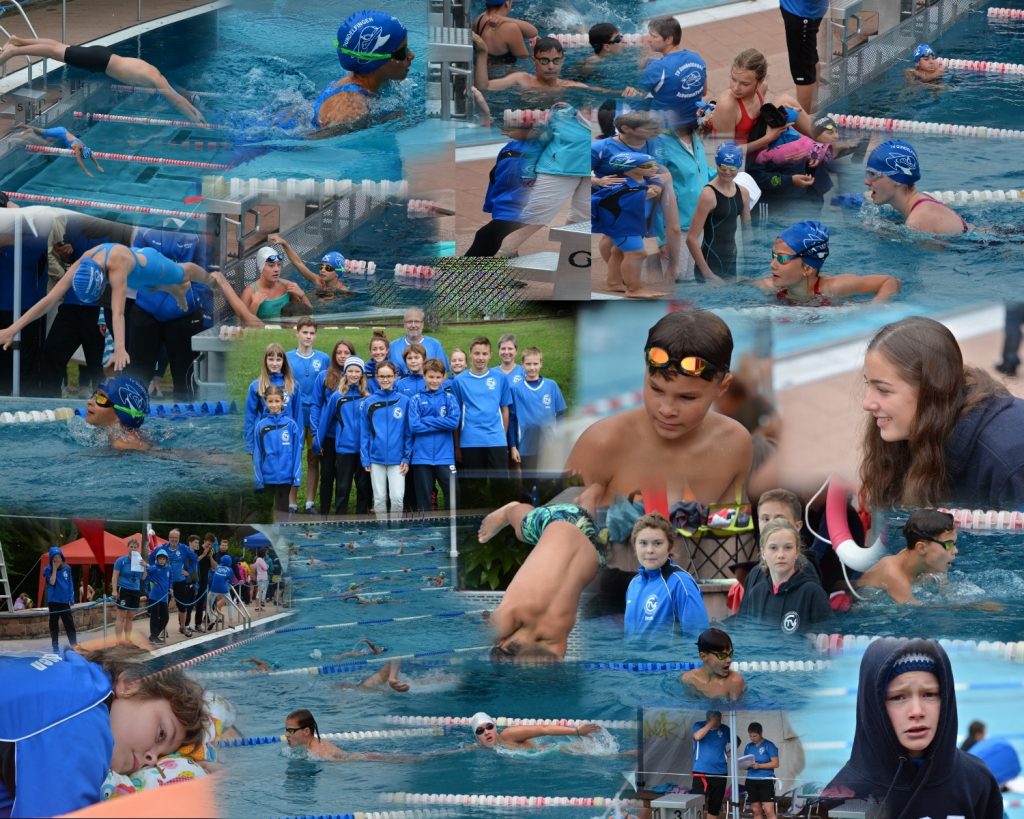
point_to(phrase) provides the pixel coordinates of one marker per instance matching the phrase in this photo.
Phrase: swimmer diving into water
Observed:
(122, 267)
(66, 140)
(129, 70)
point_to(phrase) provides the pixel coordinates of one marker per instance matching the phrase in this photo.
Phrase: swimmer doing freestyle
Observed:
(374, 47)
(129, 70)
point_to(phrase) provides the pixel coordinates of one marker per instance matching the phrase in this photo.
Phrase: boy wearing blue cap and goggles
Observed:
(374, 47)
(892, 171)
(122, 268)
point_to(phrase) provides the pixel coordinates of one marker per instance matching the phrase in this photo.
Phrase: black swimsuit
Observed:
(89, 58)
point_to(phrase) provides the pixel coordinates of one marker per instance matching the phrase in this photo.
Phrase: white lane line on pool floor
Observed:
(806, 368)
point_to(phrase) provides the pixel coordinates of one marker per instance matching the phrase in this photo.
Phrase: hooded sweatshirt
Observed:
(256, 408)
(985, 455)
(63, 589)
(385, 435)
(220, 578)
(948, 783)
(798, 603)
(278, 456)
(340, 419)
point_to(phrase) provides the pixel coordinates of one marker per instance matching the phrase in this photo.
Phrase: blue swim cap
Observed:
(334, 259)
(627, 160)
(729, 154)
(897, 160)
(923, 50)
(88, 281)
(809, 241)
(130, 399)
(367, 39)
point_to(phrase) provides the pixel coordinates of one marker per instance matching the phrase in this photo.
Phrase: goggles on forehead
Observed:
(691, 365)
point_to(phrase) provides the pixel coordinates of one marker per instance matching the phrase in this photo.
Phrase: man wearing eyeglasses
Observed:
(413, 322)
(522, 736)
(548, 58)
(930, 550)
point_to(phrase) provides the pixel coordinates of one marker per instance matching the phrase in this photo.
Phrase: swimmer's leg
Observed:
(511, 514)
(29, 47)
(393, 681)
(178, 291)
(138, 72)
(378, 678)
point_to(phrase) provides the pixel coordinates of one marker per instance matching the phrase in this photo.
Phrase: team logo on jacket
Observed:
(443, 411)
(651, 605)
(317, 363)
(286, 437)
(791, 622)
(397, 412)
(491, 383)
(547, 400)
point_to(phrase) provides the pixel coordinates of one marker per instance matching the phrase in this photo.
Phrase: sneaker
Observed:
(182, 631)
(1006, 369)
(188, 631)
(293, 507)
(157, 640)
(310, 508)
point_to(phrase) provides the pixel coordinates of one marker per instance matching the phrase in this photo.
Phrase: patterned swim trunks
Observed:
(537, 521)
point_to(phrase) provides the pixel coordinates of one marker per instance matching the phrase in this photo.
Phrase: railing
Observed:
(31, 28)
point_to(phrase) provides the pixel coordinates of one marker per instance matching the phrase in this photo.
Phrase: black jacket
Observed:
(948, 783)
(799, 602)
(985, 455)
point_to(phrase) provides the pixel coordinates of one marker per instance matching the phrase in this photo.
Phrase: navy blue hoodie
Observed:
(949, 782)
(798, 603)
(985, 455)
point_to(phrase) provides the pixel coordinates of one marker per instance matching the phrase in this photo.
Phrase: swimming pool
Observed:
(988, 689)
(193, 459)
(286, 71)
(183, 52)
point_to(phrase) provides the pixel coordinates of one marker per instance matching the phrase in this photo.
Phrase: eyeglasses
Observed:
(481, 728)
(327, 267)
(382, 377)
(550, 60)
(102, 400)
(690, 365)
(276, 257)
(948, 545)
(616, 39)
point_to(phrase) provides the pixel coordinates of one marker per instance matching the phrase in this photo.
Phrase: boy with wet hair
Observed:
(930, 550)
(607, 41)
(674, 444)
(715, 679)
(904, 754)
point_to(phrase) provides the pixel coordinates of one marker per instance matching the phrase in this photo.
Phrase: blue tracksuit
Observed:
(278, 455)
(538, 404)
(657, 599)
(622, 210)
(341, 420)
(506, 194)
(602, 150)
(431, 345)
(53, 712)
(63, 588)
(221, 577)
(181, 561)
(411, 384)
(305, 371)
(256, 409)
(385, 435)
(159, 579)
(433, 417)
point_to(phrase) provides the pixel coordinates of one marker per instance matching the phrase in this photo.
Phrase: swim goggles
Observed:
(872, 174)
(819, 250)
(102, 400)
(948, 545)
(616, 39)
(691, 365)
(550, 60)
(327, 267)
(291, 731)
(276, 257)
(401, 54)
(720, 655)
(784, 258)
(481, 728)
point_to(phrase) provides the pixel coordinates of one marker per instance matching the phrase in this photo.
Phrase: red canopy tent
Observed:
(79, 553)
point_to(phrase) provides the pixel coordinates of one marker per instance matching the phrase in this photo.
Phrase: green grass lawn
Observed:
(556, 338)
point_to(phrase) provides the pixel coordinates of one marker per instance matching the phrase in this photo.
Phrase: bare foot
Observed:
(398, 685)
(644, 293)
(5, 52)
(615, 288)
(494, 522)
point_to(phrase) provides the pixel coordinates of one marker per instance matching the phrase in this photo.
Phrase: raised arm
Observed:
(293, 257)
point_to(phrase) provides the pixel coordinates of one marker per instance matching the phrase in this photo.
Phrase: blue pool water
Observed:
(288, 72)
(193, 456)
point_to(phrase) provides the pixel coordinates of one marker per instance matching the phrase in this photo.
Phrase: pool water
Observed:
(191, 458)
(287, 71)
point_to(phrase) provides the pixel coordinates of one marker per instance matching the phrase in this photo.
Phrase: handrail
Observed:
(32, 29)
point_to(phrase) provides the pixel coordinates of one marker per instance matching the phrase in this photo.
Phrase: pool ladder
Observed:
(235, 601)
